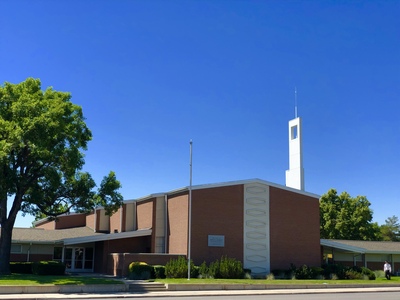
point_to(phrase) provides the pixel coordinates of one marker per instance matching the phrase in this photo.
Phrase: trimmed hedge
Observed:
(158, 272)
(21, 267)
(48, 268)
(140, 271)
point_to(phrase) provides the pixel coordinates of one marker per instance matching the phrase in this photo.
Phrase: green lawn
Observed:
(29, 279)
(394, 280)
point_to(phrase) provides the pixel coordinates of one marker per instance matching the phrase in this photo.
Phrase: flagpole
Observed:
(190, 211)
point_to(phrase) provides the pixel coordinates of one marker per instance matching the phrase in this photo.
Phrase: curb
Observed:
(124, 288)
(55, 289)
(255, 287)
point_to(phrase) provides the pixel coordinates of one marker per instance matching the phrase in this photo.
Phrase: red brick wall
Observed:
(294, 229)
(145, 214)
(32, 257)
(63, 222)
(48, 225)
(376, 266)
(90, 220)
(115, 221)
(217, 211)
(118, 263)
(131, 245)
(100, 258)
(123, 229)
(177, 224)
(70, 221)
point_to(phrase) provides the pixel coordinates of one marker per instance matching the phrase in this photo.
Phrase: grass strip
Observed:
(29, 279)
(394, 280)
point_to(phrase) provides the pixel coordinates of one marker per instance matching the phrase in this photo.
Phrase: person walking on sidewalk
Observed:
(387, 269)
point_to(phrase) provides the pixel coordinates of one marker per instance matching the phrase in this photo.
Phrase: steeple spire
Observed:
(295, 174)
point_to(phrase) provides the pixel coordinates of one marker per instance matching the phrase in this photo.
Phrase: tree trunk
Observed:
(7, 225)
(5, 246)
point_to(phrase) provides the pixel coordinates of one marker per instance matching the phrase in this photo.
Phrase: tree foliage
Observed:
(347, 218)
(390, 231)
(42, 139)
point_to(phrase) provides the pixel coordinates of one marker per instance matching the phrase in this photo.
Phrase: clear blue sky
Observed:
(151, 75)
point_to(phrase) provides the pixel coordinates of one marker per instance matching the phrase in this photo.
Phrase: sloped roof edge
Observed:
(222, 184)
(365, 247)
(107, 237)
(338, 245)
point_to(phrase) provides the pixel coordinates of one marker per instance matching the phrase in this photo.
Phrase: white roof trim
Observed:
(222, 184)
(329, 243)
(107, 237)
(255, 180)
(341, 246)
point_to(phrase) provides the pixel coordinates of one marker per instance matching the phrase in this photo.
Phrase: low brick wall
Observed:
(118, 263)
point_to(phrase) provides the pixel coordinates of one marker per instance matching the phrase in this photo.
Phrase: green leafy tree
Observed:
(390, 231)
(347, 218)
(42, 139)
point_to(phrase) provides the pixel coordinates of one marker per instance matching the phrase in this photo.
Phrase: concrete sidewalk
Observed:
(167, 293)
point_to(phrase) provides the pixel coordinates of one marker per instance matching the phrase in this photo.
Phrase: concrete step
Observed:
(147, 287)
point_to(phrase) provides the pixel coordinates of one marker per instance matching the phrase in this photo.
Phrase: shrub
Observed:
(139, 271)
(352, 274)
(317, 272)
(204, 270)
(379, 274)
(334, 271)
(369, 273)
(213, 269)
(282, 274)
(178, 268)
(303, 272)
(194, 271)
(158, 272)
(247, 274)
(230, 268)
(270, 276)
(48, 268)
(21, 267)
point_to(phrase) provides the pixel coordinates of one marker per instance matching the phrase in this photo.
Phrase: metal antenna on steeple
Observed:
(295, 102)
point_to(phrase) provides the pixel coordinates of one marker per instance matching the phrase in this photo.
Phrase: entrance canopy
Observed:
(107, 237)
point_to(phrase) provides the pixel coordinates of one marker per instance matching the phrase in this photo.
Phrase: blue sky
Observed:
(152, 75)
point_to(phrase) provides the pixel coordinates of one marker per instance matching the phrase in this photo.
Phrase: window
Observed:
(294, 133)
(57, 254)
(88, 258)
(16, 248)
(68, 258)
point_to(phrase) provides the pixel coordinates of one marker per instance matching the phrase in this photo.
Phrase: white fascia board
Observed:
(107, 237)
(222, 184)
(328, 243)
(25, 242)
(247, 181)
(382, 252)
(156, 195)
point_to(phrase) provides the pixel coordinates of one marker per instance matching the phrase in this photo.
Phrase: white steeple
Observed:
(295, 174)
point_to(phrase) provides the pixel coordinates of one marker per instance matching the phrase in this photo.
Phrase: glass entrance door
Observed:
(79, 259)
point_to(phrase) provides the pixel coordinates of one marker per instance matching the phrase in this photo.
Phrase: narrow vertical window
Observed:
(294, 133)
